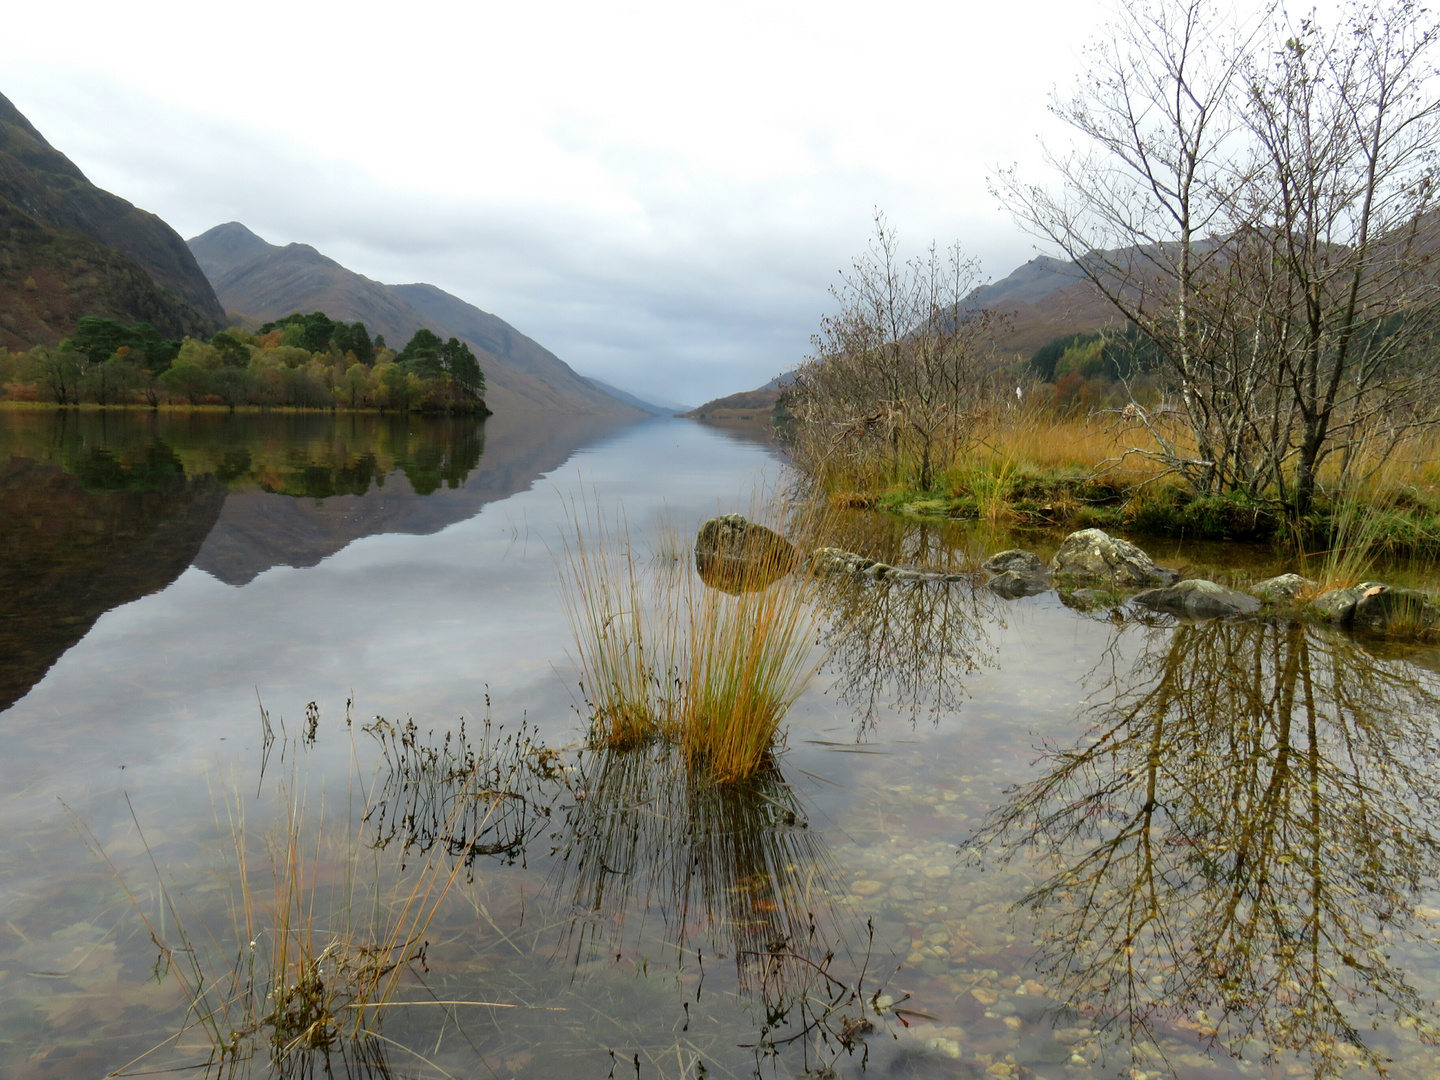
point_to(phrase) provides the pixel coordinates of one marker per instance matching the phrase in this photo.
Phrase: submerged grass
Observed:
(662, 655)
(313, 949)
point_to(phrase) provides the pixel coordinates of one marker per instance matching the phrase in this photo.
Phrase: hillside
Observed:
(757, 404)
(68, 248)
(265, 281)
(1038, 302)
(47, 185)
(656, 408)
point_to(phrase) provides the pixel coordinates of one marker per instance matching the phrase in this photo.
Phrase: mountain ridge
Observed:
(69, 248)
(266, 281)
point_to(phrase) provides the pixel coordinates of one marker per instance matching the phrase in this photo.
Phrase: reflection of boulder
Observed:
(737, 555)
(1095, 555)
(1199, 599)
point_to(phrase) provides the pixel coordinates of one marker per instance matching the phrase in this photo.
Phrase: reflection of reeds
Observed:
(660, 655)
(737, 859)
(470, 799)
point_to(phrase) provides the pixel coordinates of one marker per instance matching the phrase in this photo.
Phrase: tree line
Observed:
(1256, 202)
(304, 361)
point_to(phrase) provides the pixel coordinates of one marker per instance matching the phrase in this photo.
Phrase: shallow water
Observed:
(1062, 844)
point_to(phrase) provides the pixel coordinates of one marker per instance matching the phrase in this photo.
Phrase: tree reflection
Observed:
(1238, 843)
(910, 644)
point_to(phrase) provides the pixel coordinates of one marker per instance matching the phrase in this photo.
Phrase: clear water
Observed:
(1003, 839)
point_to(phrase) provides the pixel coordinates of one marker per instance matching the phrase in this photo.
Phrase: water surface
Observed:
(1070, 844)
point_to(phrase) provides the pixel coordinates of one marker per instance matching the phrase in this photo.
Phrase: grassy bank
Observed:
(1081, 471)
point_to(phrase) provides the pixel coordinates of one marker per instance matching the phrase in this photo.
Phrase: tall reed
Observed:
(315, 951)
(663, 655)
(622, 611)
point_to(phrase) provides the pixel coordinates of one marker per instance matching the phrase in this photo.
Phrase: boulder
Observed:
(1015, 583)
(1015, 560)
(1282, 589)
(1095, 555)
(1338, 605)
(737, 555)
(1199, 599)
(1383, 610)
(1018, 573)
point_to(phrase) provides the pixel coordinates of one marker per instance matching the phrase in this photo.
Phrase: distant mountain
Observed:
(1041, 300)
(68, 248)
(266, 281)
(656, 407)
(754, 404)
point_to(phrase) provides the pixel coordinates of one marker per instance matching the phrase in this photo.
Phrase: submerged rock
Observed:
(829, 560)
(1094, 554)
(737, 555)
(1282, 589)
(1383, 610)
(1199, 599)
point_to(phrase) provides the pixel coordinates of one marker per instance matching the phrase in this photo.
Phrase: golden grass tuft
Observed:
(662, 655)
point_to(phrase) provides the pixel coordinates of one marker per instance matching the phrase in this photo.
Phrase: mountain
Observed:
(69, 248)
(655, 407)
(1041, 300)
(757, 404)
(266, 281)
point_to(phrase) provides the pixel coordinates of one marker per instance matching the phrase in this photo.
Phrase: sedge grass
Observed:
(663, 656)
(312, 951)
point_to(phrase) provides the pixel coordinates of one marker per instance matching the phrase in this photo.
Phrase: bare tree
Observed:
(897, 372)
(1255, 198)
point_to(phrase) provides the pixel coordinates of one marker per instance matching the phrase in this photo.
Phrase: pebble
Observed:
(984, 996)
(936, 870)
(948, 1047)
(866, 888)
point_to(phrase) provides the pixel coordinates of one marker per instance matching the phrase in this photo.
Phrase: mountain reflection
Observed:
(1237, 846)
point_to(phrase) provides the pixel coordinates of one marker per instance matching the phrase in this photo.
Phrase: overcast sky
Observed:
(660, 193)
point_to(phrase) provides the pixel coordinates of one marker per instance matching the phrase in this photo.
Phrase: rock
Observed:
(1282, 589)
(737, 555)
(1094, 554)
(1019, 573)
(1199, 599)
(1338, 605)
(1015, 560)
(1383, 610)
(1014, 583)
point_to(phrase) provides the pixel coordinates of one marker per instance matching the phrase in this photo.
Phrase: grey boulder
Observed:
(1338, 605)
(1095, 555)
(737, 555)
(1199, 599)
(1014, 560)
(1282, 589)
(1383, 610)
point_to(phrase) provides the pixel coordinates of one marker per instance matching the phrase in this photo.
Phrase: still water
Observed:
(1004, 838)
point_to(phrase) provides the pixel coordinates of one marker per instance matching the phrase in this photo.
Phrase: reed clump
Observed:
(664, 656)
(312, 951)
